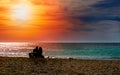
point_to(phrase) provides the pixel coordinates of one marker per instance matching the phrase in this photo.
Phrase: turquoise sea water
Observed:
(64, 50)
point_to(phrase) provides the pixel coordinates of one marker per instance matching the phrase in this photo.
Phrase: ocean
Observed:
(97, 51)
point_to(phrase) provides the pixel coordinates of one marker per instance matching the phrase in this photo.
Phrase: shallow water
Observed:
(63, 50)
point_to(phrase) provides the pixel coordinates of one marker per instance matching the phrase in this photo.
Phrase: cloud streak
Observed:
(68, 20)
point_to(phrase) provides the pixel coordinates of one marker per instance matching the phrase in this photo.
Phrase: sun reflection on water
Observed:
(14, 49)
(21, 49)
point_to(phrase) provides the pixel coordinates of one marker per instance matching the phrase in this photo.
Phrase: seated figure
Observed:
(37, 53)
(35, 50)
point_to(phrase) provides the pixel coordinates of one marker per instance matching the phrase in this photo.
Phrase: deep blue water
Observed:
(64, 50)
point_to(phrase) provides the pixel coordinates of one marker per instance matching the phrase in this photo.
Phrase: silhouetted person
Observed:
(40, 50)
(35, 50)
(37, 53)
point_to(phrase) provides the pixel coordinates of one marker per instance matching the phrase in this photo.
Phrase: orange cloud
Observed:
(45, 19)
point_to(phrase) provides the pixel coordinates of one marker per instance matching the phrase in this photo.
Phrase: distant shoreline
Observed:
(66, 58)
(93, 51)
(63, 42)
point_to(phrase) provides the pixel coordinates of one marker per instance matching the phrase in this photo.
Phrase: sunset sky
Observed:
(60, 20)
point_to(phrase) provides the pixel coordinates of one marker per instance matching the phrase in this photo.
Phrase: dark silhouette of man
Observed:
(37, 53)
(35, 50)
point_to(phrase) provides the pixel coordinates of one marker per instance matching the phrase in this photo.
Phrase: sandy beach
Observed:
(27, 66)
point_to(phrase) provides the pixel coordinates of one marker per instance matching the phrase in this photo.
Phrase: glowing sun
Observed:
(21, 12)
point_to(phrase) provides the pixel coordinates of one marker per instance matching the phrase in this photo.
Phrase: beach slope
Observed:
(27, 66)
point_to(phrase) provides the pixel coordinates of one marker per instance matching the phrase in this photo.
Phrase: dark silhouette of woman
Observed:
(40, 50)
(37, 53)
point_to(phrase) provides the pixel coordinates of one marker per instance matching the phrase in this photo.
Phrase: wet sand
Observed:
(27, 66)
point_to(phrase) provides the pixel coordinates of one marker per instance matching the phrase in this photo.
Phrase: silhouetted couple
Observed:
(36, 50)
(37, 53)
